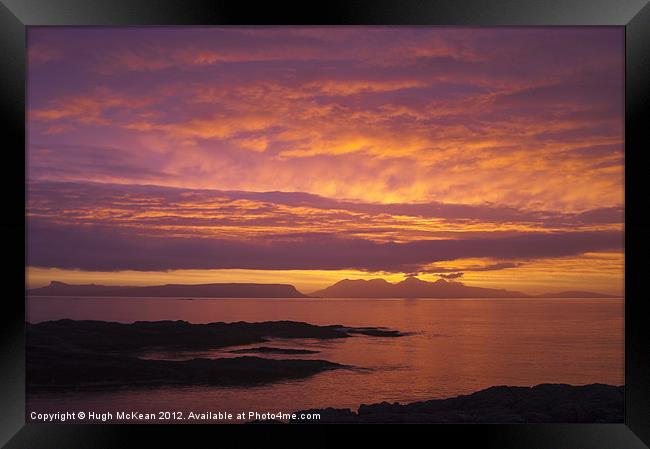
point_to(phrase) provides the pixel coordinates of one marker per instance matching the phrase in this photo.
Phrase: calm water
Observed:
(457, 347)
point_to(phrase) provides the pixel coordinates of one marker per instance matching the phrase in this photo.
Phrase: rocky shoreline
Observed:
(68, 355)
(544, 403)
(80, 355)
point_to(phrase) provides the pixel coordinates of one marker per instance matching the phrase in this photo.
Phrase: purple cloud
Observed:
(109, 249)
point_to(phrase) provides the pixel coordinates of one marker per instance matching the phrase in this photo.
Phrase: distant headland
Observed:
(230, 290)
(411, 287)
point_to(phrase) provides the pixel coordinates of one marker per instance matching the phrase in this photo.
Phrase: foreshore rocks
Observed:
(544, 403)
(78, 355)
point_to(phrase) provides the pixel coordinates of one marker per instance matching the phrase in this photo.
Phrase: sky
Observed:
(305, 155)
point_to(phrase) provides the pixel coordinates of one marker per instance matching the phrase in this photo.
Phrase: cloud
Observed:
(388, 114)
(108, 248)
(450, 275)
(102, 163)
(156, 210)
(87, 108)
(489, 267)
(43, 53)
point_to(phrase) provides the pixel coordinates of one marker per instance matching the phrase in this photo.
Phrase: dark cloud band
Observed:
(103, 248)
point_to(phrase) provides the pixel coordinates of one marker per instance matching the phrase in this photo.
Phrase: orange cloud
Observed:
(87, 109)
(447, 117)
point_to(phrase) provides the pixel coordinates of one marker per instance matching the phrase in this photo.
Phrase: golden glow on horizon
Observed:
(304, 280)
(596, 272)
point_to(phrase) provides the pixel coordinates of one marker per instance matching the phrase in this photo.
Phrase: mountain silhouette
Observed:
(231, 290)
(411, 287)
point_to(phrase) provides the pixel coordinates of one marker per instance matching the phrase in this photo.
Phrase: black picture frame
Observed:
(16, 15)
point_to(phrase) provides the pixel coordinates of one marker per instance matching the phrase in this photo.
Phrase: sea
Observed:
(453, 347)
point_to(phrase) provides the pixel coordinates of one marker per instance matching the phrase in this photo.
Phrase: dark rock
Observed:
(178, 335)
(545, 403)
(97, 354)
(55, 370)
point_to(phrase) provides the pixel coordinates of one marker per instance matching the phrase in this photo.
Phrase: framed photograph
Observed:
(356, 214)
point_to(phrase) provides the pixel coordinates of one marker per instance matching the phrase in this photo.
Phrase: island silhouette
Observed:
(220, 290)
(411, 287)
